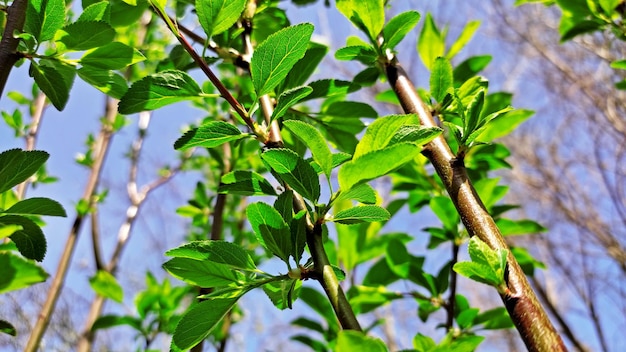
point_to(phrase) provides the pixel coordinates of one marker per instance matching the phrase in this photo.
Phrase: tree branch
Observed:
(16, 15)
(529, 317)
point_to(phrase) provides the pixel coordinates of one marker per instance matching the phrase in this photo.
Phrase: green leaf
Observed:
(446, 212)
(464, 38)
(290, 98)
(423, 343)
(216, 16)
(158, 90)
(304, 68)
(284, 205)
(360, 214)
(99, 11)
(526, 261)
(54, 81)
(108, 321)
(473, 112)
(105, 285)
(44, 18)
(331, 88)
(504, 124)
(497, 318)
(346, 109)
(17, 273)
(200, 320)
(209, 135)
(16, 166)
(275, 56)
(36, 206)
(398, 27)
(282, 293)
(469, 68)
(440, 78)
(375, 164)
(108, 82)
(202, 273)
(7, 328)
(86, 35)
(368, 16)
(30, 240)
(362, 193)
(314, 140)
(245, 183)
(366, 54)
(299, 174)
(415, 134)
(221, 252)
(381, 132)
(298, 235)
(430, 44)
(477, 272)
(350, 340)
(398, 258)
(270, 229)
(112, 56)
(519, 227)
(319, 303)
(487, 266)
(619, 64)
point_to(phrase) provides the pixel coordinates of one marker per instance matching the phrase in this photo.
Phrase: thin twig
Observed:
(38, 107)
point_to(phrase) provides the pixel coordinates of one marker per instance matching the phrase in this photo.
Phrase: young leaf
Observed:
(360, 214)
(270, 229)
(16, 166)
(440, 78)
(18, 272)
(275, 56)
(108, 82)
(314, 140)
(473, 112)
(105, 285)
(368, 16)
(381, 131)
(299, 174)
(245, 183)
(209, 135)
(431, 43)
(375, 164)
(202, 273)
(465, 36)
(109, 321)
(504, 124)
(30, 240)
(158, 90)
(216, 16)
(199, 321)
(398, 27)
(36, 206)
(44, 18)
(350, 340)
(519, 227)
(86, 35)
(220, 252)
(112, 56)
(288, 99)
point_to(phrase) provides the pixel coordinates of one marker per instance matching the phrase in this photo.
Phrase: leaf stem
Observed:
(529, 317)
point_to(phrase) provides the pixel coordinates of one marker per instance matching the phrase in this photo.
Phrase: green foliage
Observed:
(209, 135)
(216, 16)
(487, 266)
(105, 285)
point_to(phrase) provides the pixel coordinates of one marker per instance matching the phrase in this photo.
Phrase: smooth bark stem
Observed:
(528, 315)
(16, 15)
